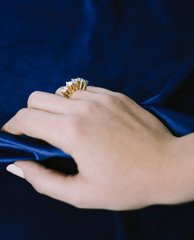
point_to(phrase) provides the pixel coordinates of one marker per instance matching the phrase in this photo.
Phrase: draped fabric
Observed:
(141, 48)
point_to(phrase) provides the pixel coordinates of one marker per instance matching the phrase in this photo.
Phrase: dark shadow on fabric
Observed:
(63, 165)
(183, 99)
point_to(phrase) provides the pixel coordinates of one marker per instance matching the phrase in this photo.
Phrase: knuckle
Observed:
(33, 98)
(109, 99)
(38, 186)
(122, 98)
(21, 113)
(125, 98)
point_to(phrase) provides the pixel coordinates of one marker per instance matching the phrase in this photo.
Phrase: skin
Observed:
(127, 159)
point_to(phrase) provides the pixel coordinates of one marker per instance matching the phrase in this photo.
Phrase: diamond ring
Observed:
(74, 85)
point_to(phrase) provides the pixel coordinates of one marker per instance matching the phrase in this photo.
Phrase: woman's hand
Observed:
(125, 156)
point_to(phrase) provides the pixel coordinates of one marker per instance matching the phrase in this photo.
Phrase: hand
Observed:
(125, 156)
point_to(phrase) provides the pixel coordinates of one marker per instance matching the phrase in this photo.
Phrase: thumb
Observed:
(67, 188)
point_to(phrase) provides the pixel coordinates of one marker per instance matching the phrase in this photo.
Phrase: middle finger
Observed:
(53, 103)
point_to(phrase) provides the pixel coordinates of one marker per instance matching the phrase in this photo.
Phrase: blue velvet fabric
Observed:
(141, 48)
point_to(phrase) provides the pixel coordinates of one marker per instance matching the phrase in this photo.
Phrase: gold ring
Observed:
(74, 85)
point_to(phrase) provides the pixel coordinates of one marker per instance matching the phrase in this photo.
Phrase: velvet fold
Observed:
(143, 49)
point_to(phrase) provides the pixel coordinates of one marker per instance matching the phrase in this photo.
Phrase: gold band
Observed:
(74, 85)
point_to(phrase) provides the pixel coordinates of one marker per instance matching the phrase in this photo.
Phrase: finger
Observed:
(85, 95)
(52, 103)
(79, 95)
(108, 96)
(49, 182)
(109, 100)
(100, 90)
(42, 125)
(96, 94)
(103, 96)
(90, 89)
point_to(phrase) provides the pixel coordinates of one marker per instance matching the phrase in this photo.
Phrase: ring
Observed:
(74, 85)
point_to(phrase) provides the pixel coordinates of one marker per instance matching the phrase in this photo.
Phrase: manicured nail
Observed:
(15, 170)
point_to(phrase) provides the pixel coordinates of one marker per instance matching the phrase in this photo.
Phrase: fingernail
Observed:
(15, 170)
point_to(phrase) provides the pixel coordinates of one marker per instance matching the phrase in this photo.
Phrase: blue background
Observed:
(141, 48)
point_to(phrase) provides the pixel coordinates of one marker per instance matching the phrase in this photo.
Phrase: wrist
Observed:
(176, 176)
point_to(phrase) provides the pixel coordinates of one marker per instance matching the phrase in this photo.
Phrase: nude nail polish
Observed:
(15, 170)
